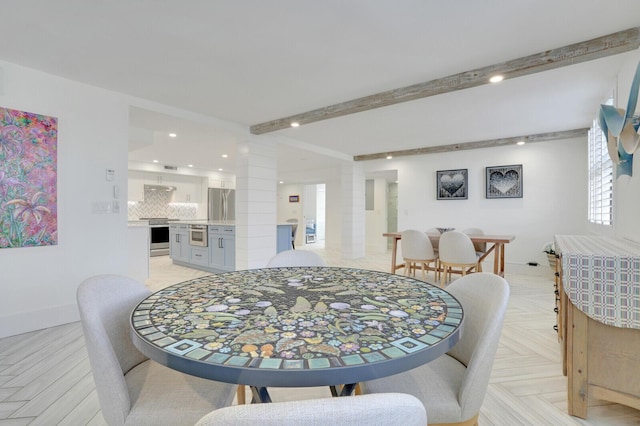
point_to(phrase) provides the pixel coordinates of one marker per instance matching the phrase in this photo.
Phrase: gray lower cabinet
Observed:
(200, 256)
(222, 247)
(179, 248)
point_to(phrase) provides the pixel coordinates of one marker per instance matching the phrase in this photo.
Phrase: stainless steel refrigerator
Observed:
(222, 204)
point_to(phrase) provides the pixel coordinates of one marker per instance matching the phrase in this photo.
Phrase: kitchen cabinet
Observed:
(151, 178)
(188, 188)
(179, 248)
(199, 256)
(135, 186)
(222, 247)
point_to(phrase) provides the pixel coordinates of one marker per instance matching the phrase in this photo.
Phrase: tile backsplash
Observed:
(158, 204)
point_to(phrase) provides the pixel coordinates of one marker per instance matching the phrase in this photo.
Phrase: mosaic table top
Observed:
(297, 326)
(601, 276)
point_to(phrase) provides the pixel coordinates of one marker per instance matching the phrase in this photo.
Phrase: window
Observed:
(600, 177)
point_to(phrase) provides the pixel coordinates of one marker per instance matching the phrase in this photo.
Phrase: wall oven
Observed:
(158, 236)
(198, 235)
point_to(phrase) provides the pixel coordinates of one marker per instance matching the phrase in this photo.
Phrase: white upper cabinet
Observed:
(188, 188)
(135, 186)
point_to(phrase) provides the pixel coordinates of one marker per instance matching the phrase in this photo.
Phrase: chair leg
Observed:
(358, 389)
(241, 395)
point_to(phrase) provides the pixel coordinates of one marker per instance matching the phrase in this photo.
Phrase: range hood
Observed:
(165, 188)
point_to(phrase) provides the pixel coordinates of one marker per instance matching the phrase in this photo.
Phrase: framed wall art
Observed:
(294, 198)
(504, 181)
(28, 179)
(452, 184)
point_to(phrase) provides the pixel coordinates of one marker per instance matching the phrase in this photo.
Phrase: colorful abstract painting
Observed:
(28, 189)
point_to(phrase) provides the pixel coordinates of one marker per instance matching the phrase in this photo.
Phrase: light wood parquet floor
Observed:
(45, 377)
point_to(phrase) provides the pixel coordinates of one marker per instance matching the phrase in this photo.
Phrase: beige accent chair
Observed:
(132, 389)
(457, 251)
(417, 251)
(296, 258)
(453, 386)
(365, 410)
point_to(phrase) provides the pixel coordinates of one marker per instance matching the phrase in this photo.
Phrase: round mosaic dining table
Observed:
(297, 326)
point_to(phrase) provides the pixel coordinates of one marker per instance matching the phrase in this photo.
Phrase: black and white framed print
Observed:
(504, 181)
(452, 184)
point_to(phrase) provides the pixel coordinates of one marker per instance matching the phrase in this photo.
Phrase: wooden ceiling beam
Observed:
(600, 47)
(540, 137)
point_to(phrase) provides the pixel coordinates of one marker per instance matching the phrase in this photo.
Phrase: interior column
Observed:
(256, 194)
(353, 211)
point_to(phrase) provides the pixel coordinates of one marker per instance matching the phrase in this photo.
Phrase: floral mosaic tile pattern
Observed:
(297, 318)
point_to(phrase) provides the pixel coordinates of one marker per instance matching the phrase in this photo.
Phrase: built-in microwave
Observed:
(198, 235)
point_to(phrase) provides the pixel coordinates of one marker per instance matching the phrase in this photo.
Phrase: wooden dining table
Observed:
(497, 248)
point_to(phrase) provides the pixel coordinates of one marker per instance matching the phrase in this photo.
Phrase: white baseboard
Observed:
(25, 322)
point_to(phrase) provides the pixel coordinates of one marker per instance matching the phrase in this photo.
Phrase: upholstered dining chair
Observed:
(457, 251)
(481, 248)
(296, 258)
(453, 386)
(132, 389)
(417, 251)
(364, 410)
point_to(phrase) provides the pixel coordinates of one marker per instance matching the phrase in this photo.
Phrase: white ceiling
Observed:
(252, 61)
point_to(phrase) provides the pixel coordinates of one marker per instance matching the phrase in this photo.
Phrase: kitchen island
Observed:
(212, 247)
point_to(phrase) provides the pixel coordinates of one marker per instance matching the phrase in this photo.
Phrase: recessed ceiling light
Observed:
(295, 124)
(155, 161)
(224, 155)
(389, 157)
(189, 165)
(219, 170)
(496, 79)
(281, 181)
(172, 135)
(520, 143)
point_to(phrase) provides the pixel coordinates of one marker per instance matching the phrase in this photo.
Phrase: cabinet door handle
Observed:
(177, 238)
(220, 243)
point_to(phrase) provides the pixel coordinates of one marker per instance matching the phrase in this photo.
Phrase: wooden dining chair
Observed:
(417, 251)
(481, 248)
(457, 251)
(452, 387)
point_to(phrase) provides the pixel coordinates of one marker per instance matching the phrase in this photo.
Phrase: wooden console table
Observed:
(599, 320)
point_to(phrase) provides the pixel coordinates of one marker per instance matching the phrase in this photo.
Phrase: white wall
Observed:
(377, 219)
(554, 188)
(39, 283)
(287, 210)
